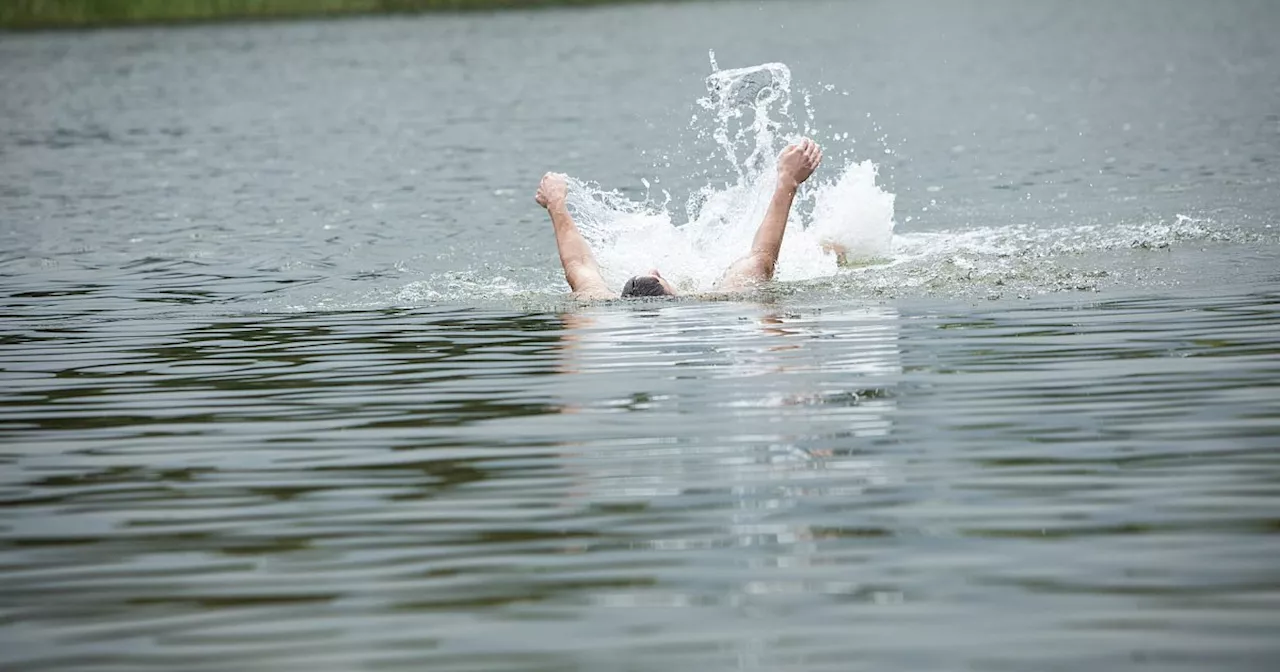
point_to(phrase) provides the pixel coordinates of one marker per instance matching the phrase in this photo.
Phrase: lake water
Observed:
(289, 380)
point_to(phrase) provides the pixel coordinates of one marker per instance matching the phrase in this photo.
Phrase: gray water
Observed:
(290, 380)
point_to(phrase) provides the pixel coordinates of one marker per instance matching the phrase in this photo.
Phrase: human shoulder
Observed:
(595, 292)
(744, 275)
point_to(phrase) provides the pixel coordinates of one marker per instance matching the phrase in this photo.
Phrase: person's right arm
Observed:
(580, 267)
(796, 163)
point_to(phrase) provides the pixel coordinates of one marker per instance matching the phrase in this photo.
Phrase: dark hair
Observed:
(643, 285)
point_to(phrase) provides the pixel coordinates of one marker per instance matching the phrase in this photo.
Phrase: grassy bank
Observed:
(28, 14)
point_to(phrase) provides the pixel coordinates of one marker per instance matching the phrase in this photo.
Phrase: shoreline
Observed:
(38, 15)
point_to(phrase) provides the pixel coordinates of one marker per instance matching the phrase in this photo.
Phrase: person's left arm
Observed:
(580, 267)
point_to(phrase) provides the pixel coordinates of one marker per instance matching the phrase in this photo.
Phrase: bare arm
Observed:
(796, 163)
(580, 267)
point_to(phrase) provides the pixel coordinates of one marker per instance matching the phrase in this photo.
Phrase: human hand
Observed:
(551, 191)
(797, 162)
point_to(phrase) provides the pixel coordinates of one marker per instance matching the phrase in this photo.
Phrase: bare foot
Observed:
(837, 249)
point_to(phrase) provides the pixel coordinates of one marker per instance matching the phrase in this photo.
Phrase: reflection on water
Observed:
(731, 486)
(781, 403)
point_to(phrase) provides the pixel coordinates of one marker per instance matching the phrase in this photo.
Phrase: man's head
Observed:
(649, 284)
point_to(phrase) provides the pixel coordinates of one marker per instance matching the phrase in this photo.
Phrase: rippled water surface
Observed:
(288, 377)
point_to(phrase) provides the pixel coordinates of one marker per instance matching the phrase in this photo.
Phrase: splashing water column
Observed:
(750, 112)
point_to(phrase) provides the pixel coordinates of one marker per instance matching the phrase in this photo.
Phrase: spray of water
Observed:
(749, 113)
(745, 119)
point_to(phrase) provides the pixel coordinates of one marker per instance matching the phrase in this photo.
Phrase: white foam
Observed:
(750, 116)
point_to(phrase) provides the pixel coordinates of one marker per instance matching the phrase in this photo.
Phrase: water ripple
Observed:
(275, 488)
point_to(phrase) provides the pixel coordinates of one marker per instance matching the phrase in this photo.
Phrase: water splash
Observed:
(1024, 261)
(749, 115)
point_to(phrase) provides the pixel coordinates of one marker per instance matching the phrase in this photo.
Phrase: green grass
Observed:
(25, 14)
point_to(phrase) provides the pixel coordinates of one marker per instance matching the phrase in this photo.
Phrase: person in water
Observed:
(795, 164)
